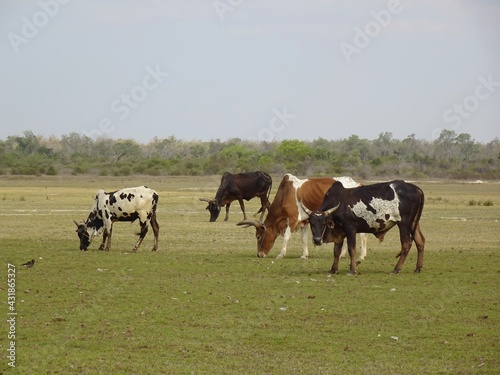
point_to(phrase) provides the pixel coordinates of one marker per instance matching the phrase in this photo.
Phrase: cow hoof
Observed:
(280, 256)
(304, 257)
(417, 270)
(332, 272)
(395, 272)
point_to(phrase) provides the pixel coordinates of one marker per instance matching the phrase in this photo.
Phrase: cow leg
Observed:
(405, 237)
(303, 235)
(337, 248)
(144, 230)
(156, 231)
(286, 238)
(242, 206)
(104, 238)
(227, 211)
(344, 250)
(364, 240)
(351, 247)
(419, 239)
(108, 243)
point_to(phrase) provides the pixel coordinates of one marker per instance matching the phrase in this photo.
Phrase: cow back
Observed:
(242, 186)
(312, 192)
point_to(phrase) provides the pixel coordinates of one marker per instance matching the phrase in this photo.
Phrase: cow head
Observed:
(87, 230)
(84, 234)
(320, 222)
(213, 208)
(265, 236)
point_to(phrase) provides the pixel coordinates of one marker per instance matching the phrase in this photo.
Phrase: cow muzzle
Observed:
(317, 241)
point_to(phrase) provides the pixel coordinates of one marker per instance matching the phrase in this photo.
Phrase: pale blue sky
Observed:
(252, 69)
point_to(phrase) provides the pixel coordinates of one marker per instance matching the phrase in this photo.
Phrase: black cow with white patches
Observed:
(370, 209)
(127, 204)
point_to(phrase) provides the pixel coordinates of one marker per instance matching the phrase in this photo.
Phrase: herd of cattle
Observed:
(335, 208)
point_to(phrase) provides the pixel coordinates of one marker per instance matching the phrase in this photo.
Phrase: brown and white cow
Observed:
(286, 214)
(370, 209)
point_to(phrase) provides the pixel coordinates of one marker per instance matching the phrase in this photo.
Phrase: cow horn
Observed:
(248, 223)
(205, 200)
(74, 221)
(306, 210)
(333, 209)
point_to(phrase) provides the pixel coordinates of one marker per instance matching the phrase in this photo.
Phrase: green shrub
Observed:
(51, 171)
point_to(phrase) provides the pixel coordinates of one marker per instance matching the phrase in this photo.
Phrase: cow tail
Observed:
(268, 205)
(416, 219)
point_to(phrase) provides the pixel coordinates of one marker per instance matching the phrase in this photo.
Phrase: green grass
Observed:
(205, 304)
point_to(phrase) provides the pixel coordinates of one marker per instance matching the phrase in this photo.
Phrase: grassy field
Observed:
(205, 304)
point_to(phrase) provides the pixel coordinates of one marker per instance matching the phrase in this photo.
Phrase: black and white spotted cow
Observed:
(127, 204)
(370, 209)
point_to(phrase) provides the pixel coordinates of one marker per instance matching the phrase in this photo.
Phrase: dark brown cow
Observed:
(286, 214)
(370, 209)
(238, 187)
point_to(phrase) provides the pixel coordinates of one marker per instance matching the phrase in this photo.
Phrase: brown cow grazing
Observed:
(286, 214)
(370, 209)
(238, 187)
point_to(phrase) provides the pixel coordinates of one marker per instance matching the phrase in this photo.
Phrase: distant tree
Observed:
(449, 155)
(295, 155)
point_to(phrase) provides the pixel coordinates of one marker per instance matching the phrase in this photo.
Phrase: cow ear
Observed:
(330, 224)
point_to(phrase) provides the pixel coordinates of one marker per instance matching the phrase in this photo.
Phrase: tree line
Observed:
(450, 155)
